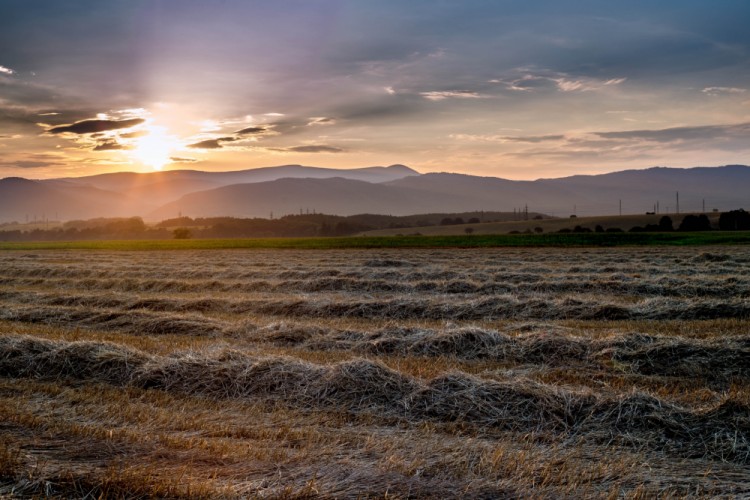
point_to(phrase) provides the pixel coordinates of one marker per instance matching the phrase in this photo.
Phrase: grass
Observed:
(364, 373)
(446, 241)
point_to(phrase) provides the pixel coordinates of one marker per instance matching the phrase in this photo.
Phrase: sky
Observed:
(519, 90)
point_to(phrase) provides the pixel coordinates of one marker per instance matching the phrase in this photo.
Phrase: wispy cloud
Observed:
(30, 164)
(313, 148)
(533, 79)
(674, 134)
(506, 138)
(716, 91)
(109, 145)
(321, 120)
(439, 95)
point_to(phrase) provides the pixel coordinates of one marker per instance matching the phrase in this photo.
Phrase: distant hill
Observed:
(395, 190)
(23, 199)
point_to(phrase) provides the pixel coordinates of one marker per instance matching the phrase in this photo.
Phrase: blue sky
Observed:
(511, 89)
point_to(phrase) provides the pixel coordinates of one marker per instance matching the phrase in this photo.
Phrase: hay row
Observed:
(644, 354)
(718, 433)
(698, 287)
(531, 307)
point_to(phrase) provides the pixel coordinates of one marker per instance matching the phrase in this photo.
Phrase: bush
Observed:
(182, 233)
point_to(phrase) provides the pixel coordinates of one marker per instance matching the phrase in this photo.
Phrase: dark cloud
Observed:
(252, 130)
(319, 148)
(177, 159)
(93, 126)
(704, 132)
(212, 143)
(207, 144)
(110, 145)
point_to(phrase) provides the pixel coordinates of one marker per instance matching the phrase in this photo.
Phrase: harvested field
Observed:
(442, 373)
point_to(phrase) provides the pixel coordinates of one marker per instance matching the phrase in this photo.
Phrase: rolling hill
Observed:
(396, 190)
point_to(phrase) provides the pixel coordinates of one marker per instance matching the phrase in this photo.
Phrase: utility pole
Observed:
(657, 206)
(704, 205)
(677, 198)
(526, 212)
(620, 207)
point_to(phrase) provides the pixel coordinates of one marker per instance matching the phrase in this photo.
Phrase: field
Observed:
(356, 373)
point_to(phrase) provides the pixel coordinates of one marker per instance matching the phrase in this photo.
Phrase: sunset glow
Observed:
(501, 89)
(154, 148)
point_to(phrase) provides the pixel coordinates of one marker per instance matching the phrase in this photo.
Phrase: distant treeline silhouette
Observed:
(302, 225)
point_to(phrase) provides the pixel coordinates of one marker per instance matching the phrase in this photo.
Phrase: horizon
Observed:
(481, 88)
(344, 169)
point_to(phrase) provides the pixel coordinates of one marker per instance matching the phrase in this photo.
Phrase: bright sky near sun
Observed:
(521, 90)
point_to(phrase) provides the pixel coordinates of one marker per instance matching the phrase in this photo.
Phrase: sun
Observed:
(154, 148)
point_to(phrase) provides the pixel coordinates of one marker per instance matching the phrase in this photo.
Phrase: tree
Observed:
(695, 223)
(469, 230)
(735, 220)
(182, 233)
(665, 224)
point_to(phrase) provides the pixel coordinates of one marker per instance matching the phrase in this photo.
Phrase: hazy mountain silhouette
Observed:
(395, 190)
(154, 189)
(22, 199)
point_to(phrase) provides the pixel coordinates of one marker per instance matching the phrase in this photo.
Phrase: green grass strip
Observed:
(462, 241)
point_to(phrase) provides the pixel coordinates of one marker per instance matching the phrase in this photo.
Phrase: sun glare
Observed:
(154, 148)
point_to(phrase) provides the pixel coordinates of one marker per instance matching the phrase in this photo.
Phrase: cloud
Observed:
(29, 164)
(716, 91)
(6, 71)
(92, 126)
(252, 130)
(674, 134)
(134, 135)
(535, 138)
(177, 159)
(207, 144)
(108, 145)
(451, 94)
(533, 79)
(313, 148)
(321, 120)
(212, 143)
(505, 138)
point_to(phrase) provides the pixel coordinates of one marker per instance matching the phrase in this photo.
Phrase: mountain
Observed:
(395, 190)
(22, 199)
(331, 196)
(147, 191)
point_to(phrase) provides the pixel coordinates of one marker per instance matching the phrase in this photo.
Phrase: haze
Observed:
(520, 91)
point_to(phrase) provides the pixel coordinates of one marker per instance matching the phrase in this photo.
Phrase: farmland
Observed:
(382, 372)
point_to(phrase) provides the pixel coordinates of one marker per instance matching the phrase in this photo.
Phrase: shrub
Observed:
(182, 233)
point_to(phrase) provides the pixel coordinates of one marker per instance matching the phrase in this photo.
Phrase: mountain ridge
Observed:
(395, 190)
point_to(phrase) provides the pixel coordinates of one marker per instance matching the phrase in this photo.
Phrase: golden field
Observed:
(402, 373)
